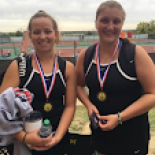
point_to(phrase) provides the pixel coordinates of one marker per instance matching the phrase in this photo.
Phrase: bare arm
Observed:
(70, 99)
(11, 77)
(145, 69)
(81, 91)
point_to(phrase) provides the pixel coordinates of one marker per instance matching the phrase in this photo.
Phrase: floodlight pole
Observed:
(75, 45)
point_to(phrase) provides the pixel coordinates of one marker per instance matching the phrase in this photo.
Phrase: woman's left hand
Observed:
(47, 146)
(110, 122)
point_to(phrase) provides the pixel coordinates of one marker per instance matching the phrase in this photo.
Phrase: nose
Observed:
(110, 26)
(42, 35)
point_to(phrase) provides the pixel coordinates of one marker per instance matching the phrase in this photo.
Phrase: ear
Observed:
(57, 34)
(29, 34)
(96, 24)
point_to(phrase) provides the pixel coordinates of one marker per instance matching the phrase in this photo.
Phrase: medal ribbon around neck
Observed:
(47, 90)
(98, 66)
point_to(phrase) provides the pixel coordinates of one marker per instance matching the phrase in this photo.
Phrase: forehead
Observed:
(111, 13)
(41, 22)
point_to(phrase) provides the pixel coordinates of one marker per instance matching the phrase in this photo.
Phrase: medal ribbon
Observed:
(98, 66)
(47, 90)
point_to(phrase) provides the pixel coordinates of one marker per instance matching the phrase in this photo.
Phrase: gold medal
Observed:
(48, 107)
(47, 88)
(101, 96)
(102, 75)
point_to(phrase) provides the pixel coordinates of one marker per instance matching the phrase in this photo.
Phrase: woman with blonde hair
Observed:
(120, 77)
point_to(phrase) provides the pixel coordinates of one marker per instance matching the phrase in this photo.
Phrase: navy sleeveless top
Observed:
(122, 88)
(32, 81)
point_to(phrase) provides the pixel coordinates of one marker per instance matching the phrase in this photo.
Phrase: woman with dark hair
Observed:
(53, 83)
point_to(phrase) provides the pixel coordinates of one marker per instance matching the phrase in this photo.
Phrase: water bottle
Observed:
(45, 129)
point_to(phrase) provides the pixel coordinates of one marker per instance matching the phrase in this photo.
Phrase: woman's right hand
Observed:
(92, 108)
(33, 139)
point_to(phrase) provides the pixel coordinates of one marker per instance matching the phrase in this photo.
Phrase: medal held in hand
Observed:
(47, 89)
(101, 95)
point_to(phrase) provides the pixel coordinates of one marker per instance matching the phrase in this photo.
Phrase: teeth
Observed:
(43, 43)
(109, 33)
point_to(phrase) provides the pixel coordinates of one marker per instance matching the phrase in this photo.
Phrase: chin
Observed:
(46, 51)
(43, 50)
(109, 39)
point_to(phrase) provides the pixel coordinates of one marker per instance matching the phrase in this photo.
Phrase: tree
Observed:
(88, 33)
(146, 27)
(11, 34)
(152, 27)
(142, 27)
(18, 33)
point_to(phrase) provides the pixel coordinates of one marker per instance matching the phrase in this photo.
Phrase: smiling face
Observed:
(109, 24)
(42, 34)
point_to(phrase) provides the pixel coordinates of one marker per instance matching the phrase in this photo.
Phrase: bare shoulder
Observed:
(82, 55)
(13, 67)
(145, 69)
(11, 77)
(80, 68)
(142, 56)
(69, 65)
(70, 69)
(80, 60)
(141, 53)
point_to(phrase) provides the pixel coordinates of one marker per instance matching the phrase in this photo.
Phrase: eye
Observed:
(104, 20)
(117, 21)
(48, 31)
(36, 32)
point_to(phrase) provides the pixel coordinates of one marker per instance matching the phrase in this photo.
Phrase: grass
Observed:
(80, 119)
(152, 119)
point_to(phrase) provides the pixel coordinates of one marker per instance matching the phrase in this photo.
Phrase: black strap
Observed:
(127, 56)
(2, 76)
(62, 66)
(24, 66)
(89, 54)
(28, 68)
(23, 79)
(130, 51)
(3, 68)
(18, 59)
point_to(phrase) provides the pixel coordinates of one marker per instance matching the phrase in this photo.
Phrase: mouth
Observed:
(109, 33)
(43, 43)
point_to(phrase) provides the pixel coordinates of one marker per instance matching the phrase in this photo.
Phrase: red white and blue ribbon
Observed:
(47, 90)
(102, 78)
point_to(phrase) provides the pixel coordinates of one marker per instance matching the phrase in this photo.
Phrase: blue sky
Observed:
(70, 14)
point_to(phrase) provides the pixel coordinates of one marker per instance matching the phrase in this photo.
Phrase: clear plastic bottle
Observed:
(46, 129)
